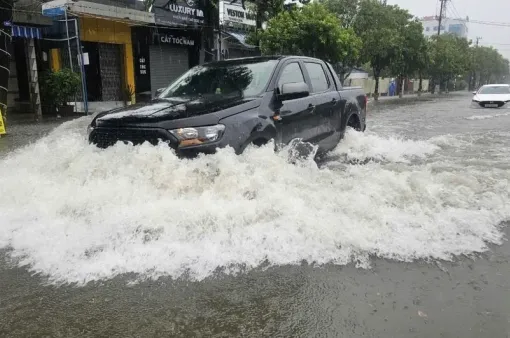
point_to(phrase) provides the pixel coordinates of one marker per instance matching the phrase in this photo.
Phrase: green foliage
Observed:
(385, 39)
(310, 31)
(345, 10)
(379, 27)
(488, 65)
(57, 88)
(449, 57)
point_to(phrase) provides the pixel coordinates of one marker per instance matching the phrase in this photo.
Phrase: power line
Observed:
(490, 23)
(497, 44)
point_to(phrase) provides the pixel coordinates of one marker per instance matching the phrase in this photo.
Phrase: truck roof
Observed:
(497, 85)
(258, 59)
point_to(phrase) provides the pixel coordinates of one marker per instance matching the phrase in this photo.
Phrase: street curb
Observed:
(425, 97)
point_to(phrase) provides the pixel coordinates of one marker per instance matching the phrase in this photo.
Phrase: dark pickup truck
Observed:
(237, 103)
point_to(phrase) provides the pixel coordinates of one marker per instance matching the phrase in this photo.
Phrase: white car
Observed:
(492, 96)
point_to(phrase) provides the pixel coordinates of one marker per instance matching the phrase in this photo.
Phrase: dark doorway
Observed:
(93, 71)
(21, 69)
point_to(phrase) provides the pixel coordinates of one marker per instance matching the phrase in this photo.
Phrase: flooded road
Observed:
(400, 232)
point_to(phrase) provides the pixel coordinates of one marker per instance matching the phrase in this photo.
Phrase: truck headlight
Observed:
(198, 135)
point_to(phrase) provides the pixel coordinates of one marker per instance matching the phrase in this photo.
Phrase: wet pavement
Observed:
(436, 151)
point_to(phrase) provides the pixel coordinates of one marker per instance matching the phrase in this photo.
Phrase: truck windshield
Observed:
(229, 79)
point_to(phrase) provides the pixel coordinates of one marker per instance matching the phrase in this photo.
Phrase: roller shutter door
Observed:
(167, 63)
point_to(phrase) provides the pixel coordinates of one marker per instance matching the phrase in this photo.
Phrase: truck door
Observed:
(327, 100)
(298, 115)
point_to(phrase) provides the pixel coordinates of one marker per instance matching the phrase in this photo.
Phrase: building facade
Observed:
(99, 33)
(236, 23)
(29, 57)
(458, 27)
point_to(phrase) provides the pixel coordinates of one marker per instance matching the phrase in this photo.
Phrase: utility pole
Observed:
(442, 14)
(5, 56)
(473, 74)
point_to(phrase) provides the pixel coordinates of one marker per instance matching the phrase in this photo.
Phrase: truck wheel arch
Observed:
(354, 122)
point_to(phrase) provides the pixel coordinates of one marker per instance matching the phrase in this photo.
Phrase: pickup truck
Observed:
(237, 103)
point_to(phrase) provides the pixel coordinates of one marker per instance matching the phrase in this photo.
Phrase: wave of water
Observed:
(488, 116)
(77, 213)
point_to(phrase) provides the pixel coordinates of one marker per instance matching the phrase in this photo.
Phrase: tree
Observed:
(422, 63)
(5, 47)
(345, 10)
(376, 25)
(310, 31)
(450, 57)
(406, 61)
(264, 10)
(488, 66)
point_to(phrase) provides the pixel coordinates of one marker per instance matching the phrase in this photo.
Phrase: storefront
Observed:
(168, 49)
(109, 65)
(163, 54)
(236, 25)
(108, 59)
(28, 60)
(172, 53)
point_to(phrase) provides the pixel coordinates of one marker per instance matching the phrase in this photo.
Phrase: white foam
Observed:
(78, 214)
(488, 116)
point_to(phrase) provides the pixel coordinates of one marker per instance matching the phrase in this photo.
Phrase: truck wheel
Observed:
(259, 142)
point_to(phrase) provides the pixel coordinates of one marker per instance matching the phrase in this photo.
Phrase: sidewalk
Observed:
(408, 97)
(28, 118)
(23, 129)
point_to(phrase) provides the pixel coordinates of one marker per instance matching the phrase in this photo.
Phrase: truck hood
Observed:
(159, 110)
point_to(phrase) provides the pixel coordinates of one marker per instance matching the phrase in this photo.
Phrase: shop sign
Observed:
(182, 12)
(176, 40)
(233, 13)
(142, 65)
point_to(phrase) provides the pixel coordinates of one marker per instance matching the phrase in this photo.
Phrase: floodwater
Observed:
(399, 232)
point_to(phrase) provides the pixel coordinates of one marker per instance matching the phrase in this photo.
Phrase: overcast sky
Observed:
(481, 10)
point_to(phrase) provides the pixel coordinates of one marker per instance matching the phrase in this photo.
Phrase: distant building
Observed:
(458, 27)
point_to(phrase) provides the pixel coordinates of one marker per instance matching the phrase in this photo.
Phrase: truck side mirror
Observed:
(291, 91)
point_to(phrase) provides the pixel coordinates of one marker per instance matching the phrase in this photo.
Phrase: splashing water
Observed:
(488, 116)
(77, 213)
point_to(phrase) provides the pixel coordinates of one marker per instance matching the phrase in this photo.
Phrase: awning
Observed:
(26, 32)
(241, 37)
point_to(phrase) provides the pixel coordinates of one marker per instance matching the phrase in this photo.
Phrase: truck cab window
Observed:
(319, 79)
(291, 73)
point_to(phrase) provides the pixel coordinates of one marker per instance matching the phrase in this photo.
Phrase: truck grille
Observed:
(491, 104)
(106, 137)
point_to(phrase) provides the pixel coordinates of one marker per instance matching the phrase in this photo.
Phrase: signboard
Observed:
(233, 13)
(86, 60)
(175, 40)
(142, 66)
(52, 12)
(178, 12)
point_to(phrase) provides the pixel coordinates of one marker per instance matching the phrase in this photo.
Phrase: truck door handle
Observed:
(311, 108)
